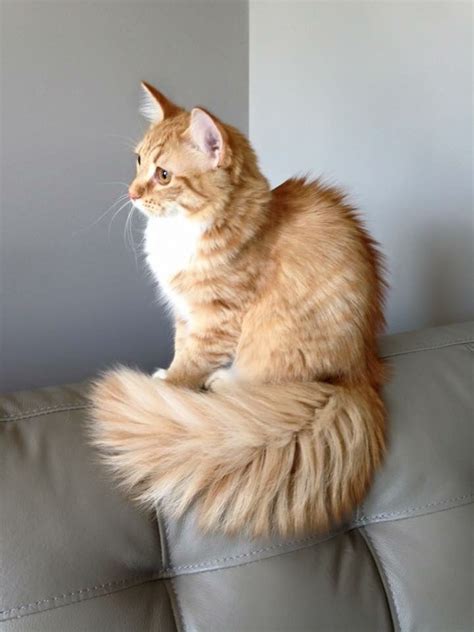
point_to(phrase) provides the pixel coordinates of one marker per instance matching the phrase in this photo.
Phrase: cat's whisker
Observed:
(128, 232)
(141, 244)
(116, 213)
(96, 221)
(127, 236)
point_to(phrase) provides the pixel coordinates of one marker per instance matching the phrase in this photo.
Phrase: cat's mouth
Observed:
(170, 210)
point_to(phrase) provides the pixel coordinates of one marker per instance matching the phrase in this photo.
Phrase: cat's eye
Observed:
(162, 175)
(139, 160)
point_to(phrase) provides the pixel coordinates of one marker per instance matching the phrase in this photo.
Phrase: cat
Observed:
(269, 418)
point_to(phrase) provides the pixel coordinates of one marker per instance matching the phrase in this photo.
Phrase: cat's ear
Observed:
(155, 106)
(206, 135)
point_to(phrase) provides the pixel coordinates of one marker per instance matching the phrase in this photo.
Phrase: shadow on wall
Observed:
(447, 255)
(434, 289)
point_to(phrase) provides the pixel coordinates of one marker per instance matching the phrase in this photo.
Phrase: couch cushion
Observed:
(67, 536)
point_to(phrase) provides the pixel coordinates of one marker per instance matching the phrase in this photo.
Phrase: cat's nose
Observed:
(133, 194)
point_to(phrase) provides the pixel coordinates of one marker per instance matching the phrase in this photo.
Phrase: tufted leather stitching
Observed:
(90, 592)
(81, 594)
(375, 517)
(447, 343)
(307, 540)
(310, 540)
(44, 411)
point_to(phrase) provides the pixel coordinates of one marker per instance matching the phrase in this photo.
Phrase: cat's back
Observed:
(320, 245)
(300, 202)
(312, 220)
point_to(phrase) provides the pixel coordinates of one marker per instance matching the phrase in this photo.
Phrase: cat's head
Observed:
(183, 162)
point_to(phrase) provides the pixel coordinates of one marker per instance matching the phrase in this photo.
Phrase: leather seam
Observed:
(366, 519)
(176, 603)
(44, 411)
(163, 541)
(122, 583)
(179, 620)
(384, 578)
(309, 540)
(450, 343)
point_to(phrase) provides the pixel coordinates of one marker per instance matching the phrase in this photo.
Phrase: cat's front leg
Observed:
(192, 367)
(181, 376)
(180, 332)
(200, 353)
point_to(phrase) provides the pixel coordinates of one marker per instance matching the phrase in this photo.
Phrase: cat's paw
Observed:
(178, 378)
(219, 381)
(161, 374)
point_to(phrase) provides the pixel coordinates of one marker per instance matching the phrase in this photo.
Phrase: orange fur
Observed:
(285, 285)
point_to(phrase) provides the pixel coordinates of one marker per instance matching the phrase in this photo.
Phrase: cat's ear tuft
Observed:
(206, 136)
(155, 107)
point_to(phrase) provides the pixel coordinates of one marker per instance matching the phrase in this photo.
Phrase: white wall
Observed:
(376, 96)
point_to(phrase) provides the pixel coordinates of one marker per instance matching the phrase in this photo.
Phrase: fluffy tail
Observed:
(287, 458)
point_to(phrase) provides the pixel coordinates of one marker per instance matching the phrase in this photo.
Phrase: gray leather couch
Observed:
(76, 556)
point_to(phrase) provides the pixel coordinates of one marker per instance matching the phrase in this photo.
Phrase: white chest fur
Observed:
(170, 245)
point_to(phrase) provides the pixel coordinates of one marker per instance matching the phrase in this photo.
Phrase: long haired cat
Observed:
(269, 418)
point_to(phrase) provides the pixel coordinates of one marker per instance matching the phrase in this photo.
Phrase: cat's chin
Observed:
(138, 204)
(173, 211)
(169, 213)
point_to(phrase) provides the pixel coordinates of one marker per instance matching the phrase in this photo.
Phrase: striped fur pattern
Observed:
(269, 418)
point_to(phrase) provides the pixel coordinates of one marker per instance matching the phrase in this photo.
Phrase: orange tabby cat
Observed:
(278, 301)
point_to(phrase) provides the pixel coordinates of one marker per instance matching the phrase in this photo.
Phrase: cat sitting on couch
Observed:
(270, 416)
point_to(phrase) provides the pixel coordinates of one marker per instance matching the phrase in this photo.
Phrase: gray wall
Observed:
(377, 96)
(73, 297)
